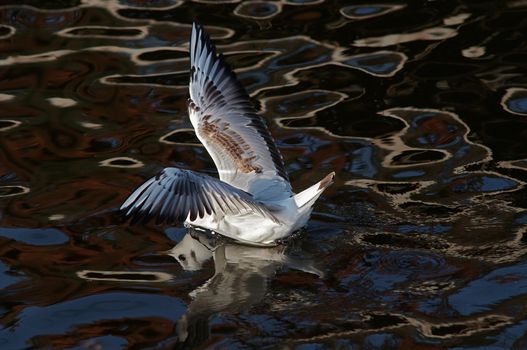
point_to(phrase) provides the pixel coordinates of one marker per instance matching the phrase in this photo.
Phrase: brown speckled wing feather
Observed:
(226, 122)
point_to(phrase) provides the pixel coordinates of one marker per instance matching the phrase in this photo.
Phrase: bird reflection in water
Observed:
(240, 279)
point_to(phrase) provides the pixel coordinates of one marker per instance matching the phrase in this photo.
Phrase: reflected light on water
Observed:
(432, 34)
(358, 12)
(258, 9)
(121, 162)
(474, 52)
(515, 101)
(62, 102)
(241, 277)
(419, 107)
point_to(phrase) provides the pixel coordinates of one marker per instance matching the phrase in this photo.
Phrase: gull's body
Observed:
(252, 201)
(254, 228)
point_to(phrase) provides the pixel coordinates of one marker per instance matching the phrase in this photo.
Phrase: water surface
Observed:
(419, 107)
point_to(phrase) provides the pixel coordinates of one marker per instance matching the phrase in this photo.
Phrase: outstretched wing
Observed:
(227, 124)
(175, 194)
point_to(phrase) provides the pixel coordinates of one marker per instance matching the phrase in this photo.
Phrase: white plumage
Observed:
(252, 201)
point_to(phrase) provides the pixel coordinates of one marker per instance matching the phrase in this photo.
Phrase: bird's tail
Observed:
(307, 197)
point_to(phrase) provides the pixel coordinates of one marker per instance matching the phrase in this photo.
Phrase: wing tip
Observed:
(197, 28)
(326, 181)
(199, 38)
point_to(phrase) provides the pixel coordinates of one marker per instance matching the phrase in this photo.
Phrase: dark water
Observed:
(420, 107)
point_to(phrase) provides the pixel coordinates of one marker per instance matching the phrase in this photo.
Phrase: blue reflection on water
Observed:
(522, 219)
(268, 325)
(518, 105)
(437, 229)
(483, 294)
(471, 183)
(510, 338)
(362, 162)
(380, 68)
(377, 63)
(35, 236)
(382, 341)
(367, 10)
(383, 282)
(463, 151)
(286, 61)
(408, 173)
(5, 279)
(60, 318)
(106, 342)
(254, 80)
(496, 184)
(311, 346)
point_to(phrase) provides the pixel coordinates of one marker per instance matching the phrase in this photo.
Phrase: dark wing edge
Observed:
(174, 195)
(214, 87)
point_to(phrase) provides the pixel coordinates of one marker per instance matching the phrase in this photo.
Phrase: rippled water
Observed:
(418, 106)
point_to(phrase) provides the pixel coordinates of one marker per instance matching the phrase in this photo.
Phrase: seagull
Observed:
(252, 201)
